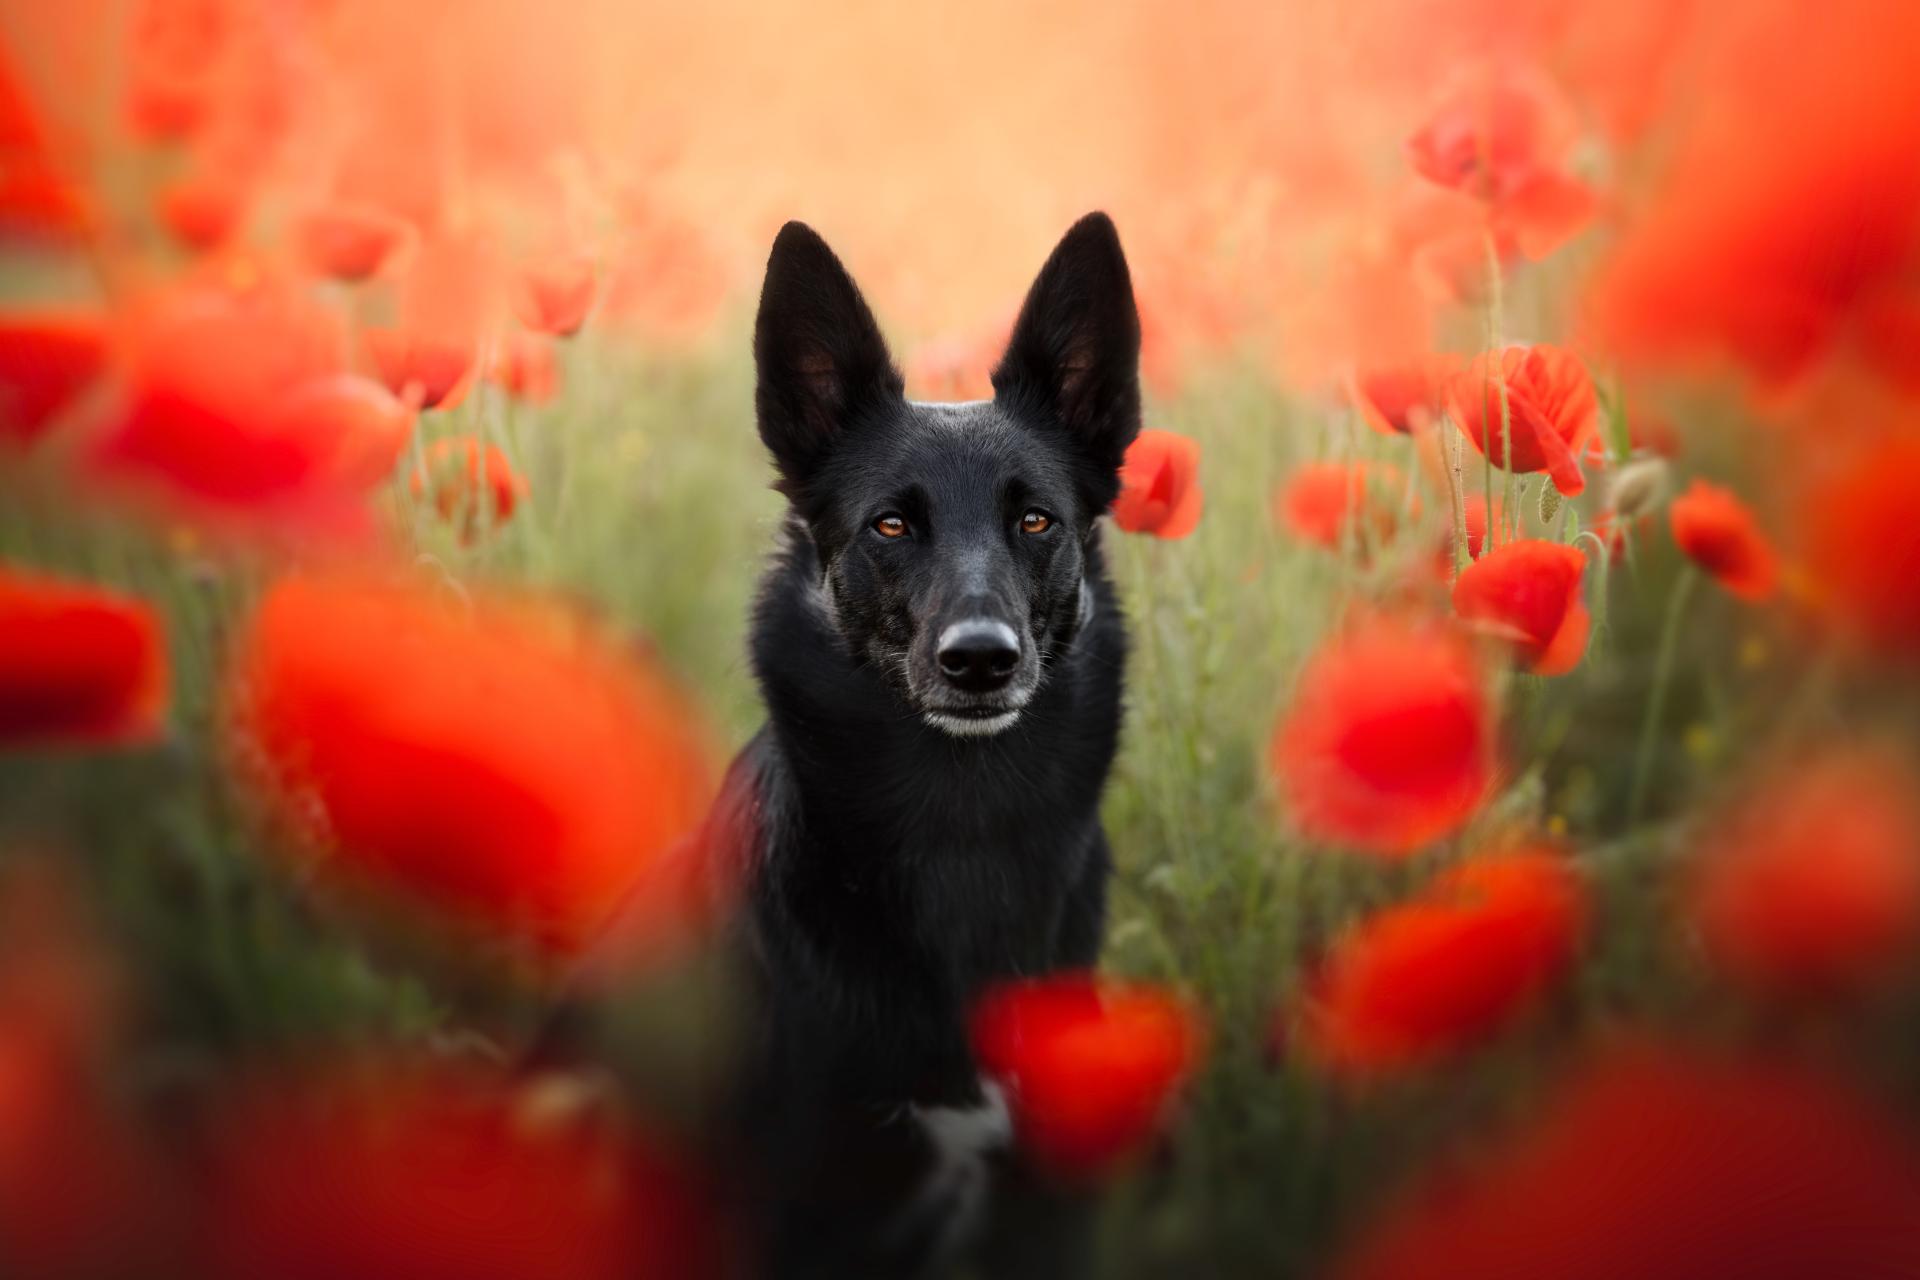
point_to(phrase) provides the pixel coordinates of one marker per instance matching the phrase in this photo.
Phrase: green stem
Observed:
(1497, 364)
(1657, 696)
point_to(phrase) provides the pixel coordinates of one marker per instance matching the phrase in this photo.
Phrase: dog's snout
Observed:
(979, 655)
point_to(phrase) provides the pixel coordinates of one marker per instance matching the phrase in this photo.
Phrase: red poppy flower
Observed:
(1502, 138)
(1863, 547)
(416, 1171)
(426, 370)
(1781, 256)
(36, 201)
(1810, 884)
(47, 358)
(350, 242)
(1662, 1166)
(206, 423)
(454, 467)
(513, 768)
(1719, 533)
(1320, 500)
(1400, 399)
(77, 664)
(553, 298)
(1527, 593)
(1160, 485)
(1550, 402)
(1449, 969)
(523, 364)
(362, 423)
(1091, 1067)
(200, 212)
(1475, 514)
(1389, 743)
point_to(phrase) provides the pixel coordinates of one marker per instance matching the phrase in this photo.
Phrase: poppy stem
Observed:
(1498, 364)
(1657, 696)
(1457, 496)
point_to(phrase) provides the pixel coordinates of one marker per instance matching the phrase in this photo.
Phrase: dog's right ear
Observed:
(821, 362)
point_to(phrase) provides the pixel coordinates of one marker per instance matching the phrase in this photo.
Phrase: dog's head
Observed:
(953, 538)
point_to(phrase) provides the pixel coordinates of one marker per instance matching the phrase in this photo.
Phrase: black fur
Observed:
(899, 862)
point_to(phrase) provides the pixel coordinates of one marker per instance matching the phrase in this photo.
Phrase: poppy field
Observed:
(1517, 819)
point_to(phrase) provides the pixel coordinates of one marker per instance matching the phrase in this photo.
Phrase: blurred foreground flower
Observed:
(413, 1171)
(1320, 501)
(1389, 742)
(509, 766)
(201, 212)
(1654, 1164)
(1091, 1066)
(1449, 969)
(553, 298)
(1809, 885)
(1863, 547)
(210, 427)
(471, 484)
(1160, 485)
(78, 664)
(350, 242)
(1718, 532)
(1550, 402)
(47, 359)
(366, 425)
(427, 371)
(1528, 594)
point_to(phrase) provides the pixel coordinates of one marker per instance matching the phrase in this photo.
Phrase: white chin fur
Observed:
(971, 727)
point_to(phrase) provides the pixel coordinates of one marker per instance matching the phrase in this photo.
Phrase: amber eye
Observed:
(1035, 522)
(890, 526)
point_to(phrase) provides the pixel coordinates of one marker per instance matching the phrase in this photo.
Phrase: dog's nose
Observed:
(978, 655)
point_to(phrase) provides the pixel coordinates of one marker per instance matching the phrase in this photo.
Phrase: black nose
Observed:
(978, 656)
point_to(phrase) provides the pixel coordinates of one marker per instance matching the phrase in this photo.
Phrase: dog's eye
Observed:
(1035, 522)
(890, 526)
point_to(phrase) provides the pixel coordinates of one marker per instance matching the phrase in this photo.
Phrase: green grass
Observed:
(650, 504)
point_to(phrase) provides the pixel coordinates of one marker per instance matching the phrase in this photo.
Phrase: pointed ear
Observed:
(821, 361)
(1074, 357)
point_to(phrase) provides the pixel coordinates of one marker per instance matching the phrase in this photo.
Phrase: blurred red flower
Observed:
(510, 766)
(201, 212)
(206, 422)
(366, 425)
(1401, 399)
(350, 242)
(1809, 885)
(80, 1194)
(404, 1170)
(1091, 1066)
(78, 664)
(1448, 970)
(1389, 742)
(523, 364)
(1160, 485)
(1782, 255)
(1321, 500)
(1528, 594)
(1718, 532)
(958, 366)
(1502, 137)
(1475, 515)
(426, 370)
(553, 298)
(37, 202)
(454, 469)
(47, 358)
(1862, 546)
(1550, 402)
(1654, 1164)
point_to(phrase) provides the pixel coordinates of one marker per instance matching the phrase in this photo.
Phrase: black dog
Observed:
(941, 655)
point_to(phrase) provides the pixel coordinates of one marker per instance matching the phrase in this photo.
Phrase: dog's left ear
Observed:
(823, 366)
(1074, 357)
